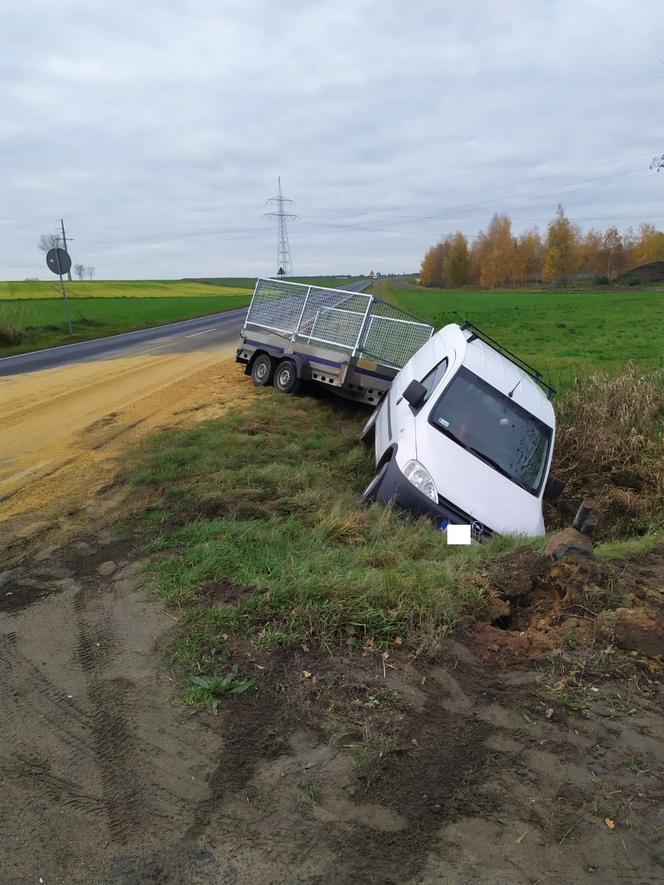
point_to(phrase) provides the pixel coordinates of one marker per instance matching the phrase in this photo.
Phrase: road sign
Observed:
(58, 261)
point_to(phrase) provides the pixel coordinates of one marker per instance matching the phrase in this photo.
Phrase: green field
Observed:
(334, 282)
(32, 312)
(26, 289)
(31, 324)
(564, 334)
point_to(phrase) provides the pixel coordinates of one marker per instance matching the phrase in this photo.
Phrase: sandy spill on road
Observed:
(63, 429)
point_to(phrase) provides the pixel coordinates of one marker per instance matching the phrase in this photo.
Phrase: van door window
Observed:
(432, 379)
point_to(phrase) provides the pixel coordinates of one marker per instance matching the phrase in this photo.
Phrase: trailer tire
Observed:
(262, 370)
(370, 493)
(286, 379)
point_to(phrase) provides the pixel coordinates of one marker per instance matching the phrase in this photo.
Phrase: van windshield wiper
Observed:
(491, 463)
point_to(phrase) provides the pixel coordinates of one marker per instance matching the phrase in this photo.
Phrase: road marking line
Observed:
(194, 334)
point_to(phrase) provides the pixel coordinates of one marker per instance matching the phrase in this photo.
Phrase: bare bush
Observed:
(610, 444)
(10, 336)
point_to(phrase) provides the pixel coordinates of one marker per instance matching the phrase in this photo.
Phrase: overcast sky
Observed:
(158, 129)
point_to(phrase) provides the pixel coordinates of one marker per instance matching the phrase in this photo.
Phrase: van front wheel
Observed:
(285, 378)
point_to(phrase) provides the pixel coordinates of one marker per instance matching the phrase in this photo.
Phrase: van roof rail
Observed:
(533, 373)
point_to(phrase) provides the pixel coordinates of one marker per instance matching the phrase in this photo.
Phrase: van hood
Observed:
(476, 488)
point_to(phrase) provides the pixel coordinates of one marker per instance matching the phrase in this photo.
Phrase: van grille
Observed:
(460, 517)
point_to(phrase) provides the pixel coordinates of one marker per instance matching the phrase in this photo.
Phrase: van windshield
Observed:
(494, 428)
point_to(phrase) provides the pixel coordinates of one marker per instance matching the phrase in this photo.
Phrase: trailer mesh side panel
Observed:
(350, 322)
(275, 306)
(391, 341)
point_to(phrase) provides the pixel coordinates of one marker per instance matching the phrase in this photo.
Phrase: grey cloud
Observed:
(158, 129)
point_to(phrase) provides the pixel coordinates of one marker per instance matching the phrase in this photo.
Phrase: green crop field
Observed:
(120, 289)
(334, 282)
(32, 314)
(564, 334)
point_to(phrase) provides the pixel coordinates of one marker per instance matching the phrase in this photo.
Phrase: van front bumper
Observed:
(397, 489)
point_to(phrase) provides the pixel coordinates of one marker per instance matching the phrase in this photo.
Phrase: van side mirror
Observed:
(553, 488)
(415, 394)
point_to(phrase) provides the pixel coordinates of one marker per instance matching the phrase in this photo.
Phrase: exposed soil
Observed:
(474, 767)
(528, 751)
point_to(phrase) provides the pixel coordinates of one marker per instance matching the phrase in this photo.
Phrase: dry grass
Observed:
(610, 444)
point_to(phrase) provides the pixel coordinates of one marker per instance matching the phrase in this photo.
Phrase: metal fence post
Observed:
(251, 303)
(363, 324)
(297, 328)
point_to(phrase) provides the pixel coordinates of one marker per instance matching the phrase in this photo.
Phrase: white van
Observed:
(465, 435)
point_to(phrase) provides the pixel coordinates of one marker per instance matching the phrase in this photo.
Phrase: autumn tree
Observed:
(590, 252)
(650, 245)
(431, 273)
(630, 242)
(613, 253)
(457, 268)
(562, 248)
(495, 253)
(528, 258)
(497, 258)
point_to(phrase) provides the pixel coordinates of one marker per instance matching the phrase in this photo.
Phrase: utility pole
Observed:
(282, 204)
(64, 245)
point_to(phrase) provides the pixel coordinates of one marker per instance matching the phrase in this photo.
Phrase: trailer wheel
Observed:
(285, 377)
(262, 370)
(371, 491)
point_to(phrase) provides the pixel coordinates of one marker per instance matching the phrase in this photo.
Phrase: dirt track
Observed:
(105, 779)
(62, 428)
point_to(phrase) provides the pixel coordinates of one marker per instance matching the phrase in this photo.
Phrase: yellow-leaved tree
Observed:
(431, 273)
(650, 245)
(495, 252)
(528, 259)
(457, 270)
(562, 248)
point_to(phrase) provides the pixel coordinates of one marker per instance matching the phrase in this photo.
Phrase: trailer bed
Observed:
(351, 341)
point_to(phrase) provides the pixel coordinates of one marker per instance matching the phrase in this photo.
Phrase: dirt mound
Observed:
(538, 602)
(653, 272)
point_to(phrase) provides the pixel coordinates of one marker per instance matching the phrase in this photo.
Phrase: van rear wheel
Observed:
(370, 493)
(285, 378)
(262, 370)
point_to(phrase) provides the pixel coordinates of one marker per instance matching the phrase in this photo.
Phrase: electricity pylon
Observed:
(281, 213)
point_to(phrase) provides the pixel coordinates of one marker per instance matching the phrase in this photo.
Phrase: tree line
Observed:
(497, 257)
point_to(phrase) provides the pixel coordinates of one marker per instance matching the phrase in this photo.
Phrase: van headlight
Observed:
(421, 479)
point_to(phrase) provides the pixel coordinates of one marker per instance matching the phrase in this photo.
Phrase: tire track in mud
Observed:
(123, 793)
(102, 753)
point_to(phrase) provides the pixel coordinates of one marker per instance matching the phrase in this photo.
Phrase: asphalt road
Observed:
(216, 330)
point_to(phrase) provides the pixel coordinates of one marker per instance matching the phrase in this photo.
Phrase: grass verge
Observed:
(260, 536)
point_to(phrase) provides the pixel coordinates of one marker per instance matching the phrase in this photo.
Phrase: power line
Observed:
(284, 264)
(499, 187)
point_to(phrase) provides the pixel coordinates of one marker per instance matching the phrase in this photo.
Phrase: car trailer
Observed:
(352, 342)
